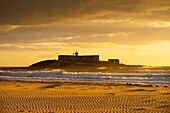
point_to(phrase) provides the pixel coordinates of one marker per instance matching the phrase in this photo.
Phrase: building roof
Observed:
(78, 56)
(113, 59)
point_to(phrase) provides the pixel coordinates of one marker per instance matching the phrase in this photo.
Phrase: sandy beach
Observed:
(18, 96)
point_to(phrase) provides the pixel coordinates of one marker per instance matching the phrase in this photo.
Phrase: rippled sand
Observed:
(69, 98)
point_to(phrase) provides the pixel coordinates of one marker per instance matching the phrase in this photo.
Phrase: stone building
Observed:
(76, 58)
(114, 61)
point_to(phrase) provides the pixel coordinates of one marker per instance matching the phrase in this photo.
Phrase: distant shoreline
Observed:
(66, 65)
(86, 68)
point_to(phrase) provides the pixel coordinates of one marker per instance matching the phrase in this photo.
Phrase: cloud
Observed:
(163, 15)
(126, 22)
(90, 32)
(7, 28)
(31, 12)
(18, 47)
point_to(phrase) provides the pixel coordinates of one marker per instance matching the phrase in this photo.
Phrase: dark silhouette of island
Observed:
(76, 61)
(82, 62)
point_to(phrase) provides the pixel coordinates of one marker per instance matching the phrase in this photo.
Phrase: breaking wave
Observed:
(139, 76)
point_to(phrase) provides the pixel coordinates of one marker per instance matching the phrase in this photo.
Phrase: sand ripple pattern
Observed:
(52, 98)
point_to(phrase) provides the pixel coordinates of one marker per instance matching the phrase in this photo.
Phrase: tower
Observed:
(76, 53)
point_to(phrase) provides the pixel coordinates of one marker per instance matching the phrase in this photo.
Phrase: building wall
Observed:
(70, 58)
(114, 61)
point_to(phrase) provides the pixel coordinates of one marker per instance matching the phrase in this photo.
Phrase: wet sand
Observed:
(67, 97)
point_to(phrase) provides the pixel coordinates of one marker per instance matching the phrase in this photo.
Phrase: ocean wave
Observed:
(152, 77)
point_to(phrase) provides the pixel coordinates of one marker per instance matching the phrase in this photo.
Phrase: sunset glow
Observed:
(136, 32)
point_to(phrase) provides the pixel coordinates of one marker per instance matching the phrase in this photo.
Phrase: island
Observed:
(78, 62)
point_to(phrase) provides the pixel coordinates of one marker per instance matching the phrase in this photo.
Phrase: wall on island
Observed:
(114, 61)
(70, 58)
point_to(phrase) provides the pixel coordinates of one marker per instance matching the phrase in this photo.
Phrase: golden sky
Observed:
(135, 31)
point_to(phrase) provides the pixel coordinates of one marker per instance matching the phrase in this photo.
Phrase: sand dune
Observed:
(54, 98)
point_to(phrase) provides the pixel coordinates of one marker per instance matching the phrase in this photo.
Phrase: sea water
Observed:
(144, 76)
